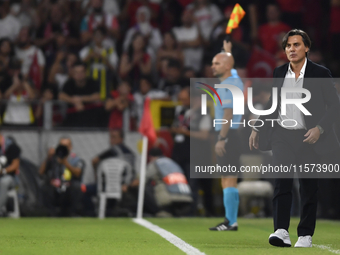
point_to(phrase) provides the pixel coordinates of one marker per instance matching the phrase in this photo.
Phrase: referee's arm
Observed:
(219, 147)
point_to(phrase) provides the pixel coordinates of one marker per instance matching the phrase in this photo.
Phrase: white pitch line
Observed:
(178, 242)
(328, 248)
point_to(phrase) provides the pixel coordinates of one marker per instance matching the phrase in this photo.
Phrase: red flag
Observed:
(146, 127)
(261, 64)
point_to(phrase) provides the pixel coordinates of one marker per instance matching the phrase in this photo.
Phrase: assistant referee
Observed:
(227, 146)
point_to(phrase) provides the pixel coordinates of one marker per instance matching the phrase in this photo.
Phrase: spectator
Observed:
(81, 94)
(166, 190)
(292, 11)
(6, 52)
(53, 34)
(61, 69)
(169, 49)
(59, 73)
(62, 171)
(189, 39)
(32, 58)
(136, 61)
(172, 81)
(99, 18)
(146, 91)
(101, 61)
(189, 73)
(207, 16)
(269, 33)
(143, 26)
(9, 24)
(170, 15)
(9, 167)
(200, 152)
(110, 6)
(334, 28)
(7, 74)
(117, 149)
(27, 14)
(207, 71)
(191, 130)
(18, 110)
(120, 101)
(130, 9)
(180, 129)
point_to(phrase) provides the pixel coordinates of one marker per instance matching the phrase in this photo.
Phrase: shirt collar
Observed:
(302, 71)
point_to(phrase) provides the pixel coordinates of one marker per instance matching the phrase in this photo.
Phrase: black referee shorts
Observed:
(231, 159)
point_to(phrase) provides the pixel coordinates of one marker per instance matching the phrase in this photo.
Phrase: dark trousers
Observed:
(63, 204)
(288, 148)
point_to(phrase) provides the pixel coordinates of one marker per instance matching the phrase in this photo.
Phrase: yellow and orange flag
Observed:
(235, 18)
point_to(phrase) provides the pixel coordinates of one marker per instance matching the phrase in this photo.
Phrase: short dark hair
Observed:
(79, 63)
(147, 78)
(305, 38)
(174, 63)
(102, 30)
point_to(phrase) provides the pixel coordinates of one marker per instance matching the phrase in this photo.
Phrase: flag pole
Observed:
(142, 178)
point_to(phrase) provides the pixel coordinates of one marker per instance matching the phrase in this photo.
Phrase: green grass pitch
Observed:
(84, 236)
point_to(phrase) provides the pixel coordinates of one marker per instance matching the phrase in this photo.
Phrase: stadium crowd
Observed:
(101, 57)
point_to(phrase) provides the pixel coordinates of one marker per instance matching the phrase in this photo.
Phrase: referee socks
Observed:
(231, 202)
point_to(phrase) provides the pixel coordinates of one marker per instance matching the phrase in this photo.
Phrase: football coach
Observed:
(310, 138)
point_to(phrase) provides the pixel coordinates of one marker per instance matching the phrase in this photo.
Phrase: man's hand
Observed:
(312, 135)
(180, 130)
(124, 188)
(227, 46)
(78, 104)
(219, 148)
(254, 140)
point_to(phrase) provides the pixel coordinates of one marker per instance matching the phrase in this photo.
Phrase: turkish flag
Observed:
(146, 127)
(261, 64)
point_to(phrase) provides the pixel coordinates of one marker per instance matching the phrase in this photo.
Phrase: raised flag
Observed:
(235, 18)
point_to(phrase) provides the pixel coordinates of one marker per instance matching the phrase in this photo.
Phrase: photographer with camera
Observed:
(62, 171)
(9, 166)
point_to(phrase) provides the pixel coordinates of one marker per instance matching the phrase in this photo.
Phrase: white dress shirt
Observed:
(293, 112)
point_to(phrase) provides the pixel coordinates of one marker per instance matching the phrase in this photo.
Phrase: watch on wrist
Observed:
(221, 138)
(320, 129)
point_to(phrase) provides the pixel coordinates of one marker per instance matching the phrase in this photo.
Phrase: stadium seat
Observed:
(16, 211)
(251, 189)
(109, 181)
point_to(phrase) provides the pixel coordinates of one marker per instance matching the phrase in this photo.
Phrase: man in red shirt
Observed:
(269, 33)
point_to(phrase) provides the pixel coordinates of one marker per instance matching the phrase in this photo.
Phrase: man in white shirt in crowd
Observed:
(26, 53)
(189, 39)
(9, 24)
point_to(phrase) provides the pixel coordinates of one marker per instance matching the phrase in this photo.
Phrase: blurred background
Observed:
(80, 70)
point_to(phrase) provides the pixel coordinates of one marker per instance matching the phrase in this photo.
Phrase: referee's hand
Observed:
(254, 140)
(219, 148)
(227, 46)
